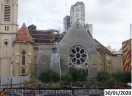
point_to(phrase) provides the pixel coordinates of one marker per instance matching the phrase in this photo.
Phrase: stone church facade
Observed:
(78, 49)
(28, 51)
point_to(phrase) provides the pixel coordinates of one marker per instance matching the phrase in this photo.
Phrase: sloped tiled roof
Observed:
(23, 34)
(101, 48)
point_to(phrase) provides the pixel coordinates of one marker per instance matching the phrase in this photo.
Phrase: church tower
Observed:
(24, 54)
(8, 30)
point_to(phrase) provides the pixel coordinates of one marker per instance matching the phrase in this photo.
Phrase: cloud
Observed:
(44, 13)
(110, 18)
(111, 21)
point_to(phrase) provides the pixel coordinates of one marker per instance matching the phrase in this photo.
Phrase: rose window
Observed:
(78, 56)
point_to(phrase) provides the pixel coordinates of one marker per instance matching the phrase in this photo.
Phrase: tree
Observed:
(74, 73)
(78, 74)
(102, 76)
(83, 74)
(123, 77)
(49, 76)
(67, 77)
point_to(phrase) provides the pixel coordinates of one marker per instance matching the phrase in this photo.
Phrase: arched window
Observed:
(7, 1)
(23, 57)
(7, 10)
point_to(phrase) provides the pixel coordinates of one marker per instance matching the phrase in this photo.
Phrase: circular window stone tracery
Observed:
(78, 56)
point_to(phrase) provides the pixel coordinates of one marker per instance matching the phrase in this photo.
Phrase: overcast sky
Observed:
(111, 19)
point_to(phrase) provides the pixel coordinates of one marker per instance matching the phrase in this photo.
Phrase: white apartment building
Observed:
(66, 23)
(77, 12)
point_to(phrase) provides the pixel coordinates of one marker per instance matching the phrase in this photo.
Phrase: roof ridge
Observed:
(24, 34)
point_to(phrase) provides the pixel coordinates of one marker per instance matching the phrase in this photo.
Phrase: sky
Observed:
(111, 19)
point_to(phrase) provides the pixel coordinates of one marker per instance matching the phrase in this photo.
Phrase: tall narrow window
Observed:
(23, 57)
(7, 28)
(7, 11)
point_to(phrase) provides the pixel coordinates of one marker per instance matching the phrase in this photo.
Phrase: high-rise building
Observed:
(89, 28)
(8, 30)
(77, 12)
(66, 22)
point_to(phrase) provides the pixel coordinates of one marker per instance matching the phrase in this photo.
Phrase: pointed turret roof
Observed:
(23, 34)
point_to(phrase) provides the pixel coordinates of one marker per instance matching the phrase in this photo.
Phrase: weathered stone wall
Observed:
(74, 37)
(29, 65)
(117, 64)
(43, 53)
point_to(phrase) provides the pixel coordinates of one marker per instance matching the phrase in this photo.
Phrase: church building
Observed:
(28, 51)
(8, 30)
(23, 62)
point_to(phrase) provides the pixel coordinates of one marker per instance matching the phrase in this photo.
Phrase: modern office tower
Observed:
(77, 12)
(66, 22)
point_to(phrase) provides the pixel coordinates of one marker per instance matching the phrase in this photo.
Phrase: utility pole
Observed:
(130, 31)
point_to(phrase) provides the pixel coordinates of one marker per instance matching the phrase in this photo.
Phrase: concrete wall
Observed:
(43, 53)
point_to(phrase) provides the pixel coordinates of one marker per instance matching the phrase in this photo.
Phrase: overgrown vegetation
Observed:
(67, 78)
(75, 74)
(113, 80)
(49, 76)
(123, 77)
(102, 76)
(78, 77)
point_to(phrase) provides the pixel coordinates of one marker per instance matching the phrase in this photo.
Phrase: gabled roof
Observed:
(101, 48)
(77, 35)
(23, 34)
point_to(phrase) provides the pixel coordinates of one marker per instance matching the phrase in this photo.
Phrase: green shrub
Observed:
(49, 76)
(123, 77)
(74, 73)
(83, 75)
(78, 74)
(118, 76)
(67, 77)
(102, 76)
(127, 77)
(112, 82)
